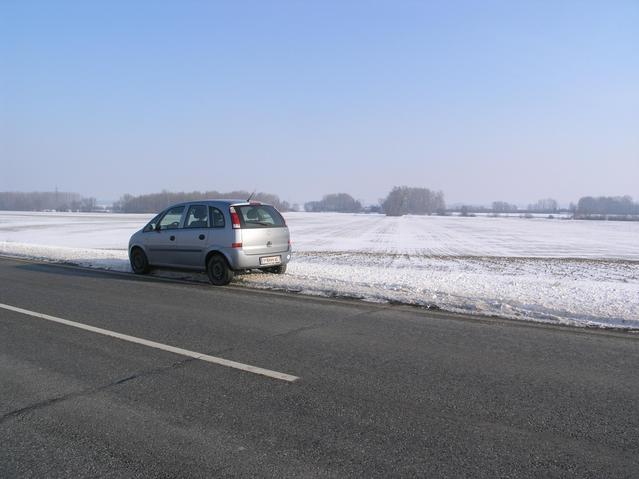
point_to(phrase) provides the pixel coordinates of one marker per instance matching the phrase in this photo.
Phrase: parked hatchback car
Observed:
(221, 237)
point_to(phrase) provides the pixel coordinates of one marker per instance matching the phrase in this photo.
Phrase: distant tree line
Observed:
(503, 207)
(589, 206)
(45, 200)
(335, 202)
(547, 205)
(404, 200)
(154, 202)
(400, 201)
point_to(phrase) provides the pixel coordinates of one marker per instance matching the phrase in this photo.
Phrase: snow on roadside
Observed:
(601, 293)
(115, 260)
(562, 271)
(574, 292)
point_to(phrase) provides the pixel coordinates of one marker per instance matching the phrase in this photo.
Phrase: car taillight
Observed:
(236, 245)
(235, 219)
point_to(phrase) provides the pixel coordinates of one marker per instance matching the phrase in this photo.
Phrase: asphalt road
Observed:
(383, 391)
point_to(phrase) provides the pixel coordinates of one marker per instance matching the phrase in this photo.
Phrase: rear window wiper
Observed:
(263, 223)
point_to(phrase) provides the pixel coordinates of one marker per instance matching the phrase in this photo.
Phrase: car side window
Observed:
(171, 220)
(152, 224)
(197, 217)
(217, 218)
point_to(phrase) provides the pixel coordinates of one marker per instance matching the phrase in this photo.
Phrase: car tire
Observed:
(139, 261)
(281, 269)
(218, 269)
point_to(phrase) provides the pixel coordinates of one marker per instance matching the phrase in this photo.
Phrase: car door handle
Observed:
(201, 237)
(172, 238)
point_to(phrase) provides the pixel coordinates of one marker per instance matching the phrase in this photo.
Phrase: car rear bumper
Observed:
(240, 260)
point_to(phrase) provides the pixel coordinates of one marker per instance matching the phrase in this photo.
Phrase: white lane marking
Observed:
(152, 344)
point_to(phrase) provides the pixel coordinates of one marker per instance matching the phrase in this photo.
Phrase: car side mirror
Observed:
(157, 227)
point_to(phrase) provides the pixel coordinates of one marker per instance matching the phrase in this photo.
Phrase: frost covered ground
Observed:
(564, 271)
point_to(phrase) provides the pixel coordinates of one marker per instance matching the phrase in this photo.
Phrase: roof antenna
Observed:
(251, 196)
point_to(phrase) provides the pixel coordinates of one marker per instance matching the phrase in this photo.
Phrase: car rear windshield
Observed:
(260, 216)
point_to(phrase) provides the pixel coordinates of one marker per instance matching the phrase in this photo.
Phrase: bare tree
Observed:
(409, 200)
(503, 207)
(337, 202)
(606, 205)
(547, 205)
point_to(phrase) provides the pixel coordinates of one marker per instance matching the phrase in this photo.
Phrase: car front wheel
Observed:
(139, 261)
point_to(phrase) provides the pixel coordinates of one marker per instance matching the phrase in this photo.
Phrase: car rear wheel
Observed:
(139, 261)
(281, 269)
(219, 271)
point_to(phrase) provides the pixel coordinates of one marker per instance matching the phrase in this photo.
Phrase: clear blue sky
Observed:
(485, 100)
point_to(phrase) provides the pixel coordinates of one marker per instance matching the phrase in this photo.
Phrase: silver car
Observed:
(221, 237)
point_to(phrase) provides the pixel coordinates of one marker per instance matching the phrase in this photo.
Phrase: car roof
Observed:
(219, 202)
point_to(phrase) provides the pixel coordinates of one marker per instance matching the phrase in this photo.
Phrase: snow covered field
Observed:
(564, 271)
